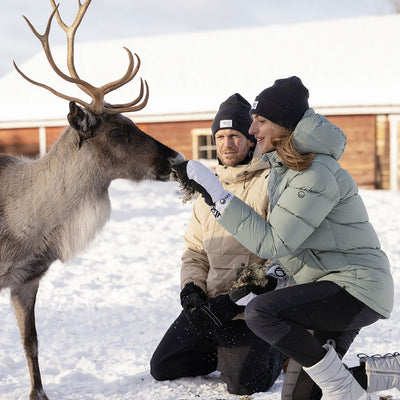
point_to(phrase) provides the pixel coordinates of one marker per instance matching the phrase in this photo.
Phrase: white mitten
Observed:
(203, 180)
(199, 173)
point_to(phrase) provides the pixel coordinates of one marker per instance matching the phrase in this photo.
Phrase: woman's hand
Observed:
(197, 176)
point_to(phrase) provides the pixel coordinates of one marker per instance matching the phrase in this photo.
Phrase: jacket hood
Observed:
(241, 172)
(315, 134)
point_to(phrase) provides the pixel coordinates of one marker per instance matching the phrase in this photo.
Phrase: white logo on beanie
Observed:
(255, 104)
(225, 123)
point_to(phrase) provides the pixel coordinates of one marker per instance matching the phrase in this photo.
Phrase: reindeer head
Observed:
(122, 149)
(131, 153)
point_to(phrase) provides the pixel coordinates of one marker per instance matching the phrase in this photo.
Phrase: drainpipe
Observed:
(394, 152)
(42, 141)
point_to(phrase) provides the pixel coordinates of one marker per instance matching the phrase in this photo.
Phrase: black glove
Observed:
(196, 309)
(192, 297)
(210, 318)
(243, 291)
(207, 315)
(224, 308)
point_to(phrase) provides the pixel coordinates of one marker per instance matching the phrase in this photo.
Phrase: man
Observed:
(208, 335)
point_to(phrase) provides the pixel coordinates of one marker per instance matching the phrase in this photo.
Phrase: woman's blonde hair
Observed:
(288, 154)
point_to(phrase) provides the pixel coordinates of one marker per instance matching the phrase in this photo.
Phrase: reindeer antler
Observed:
(96, 93)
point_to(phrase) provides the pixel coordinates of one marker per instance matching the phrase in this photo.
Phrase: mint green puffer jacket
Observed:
(318, 227)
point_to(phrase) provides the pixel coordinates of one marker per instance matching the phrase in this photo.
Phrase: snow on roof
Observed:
(347, 62)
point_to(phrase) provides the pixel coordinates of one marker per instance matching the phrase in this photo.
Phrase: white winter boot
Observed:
(383, 372)
(335, 381)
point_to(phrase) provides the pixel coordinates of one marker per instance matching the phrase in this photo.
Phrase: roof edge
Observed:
(204, 116)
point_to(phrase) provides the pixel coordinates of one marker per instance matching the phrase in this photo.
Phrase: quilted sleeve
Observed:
(302, 205)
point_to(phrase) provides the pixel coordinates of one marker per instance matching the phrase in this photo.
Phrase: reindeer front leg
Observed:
(23, 299)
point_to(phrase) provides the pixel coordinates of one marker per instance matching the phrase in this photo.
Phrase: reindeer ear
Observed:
(81, 120)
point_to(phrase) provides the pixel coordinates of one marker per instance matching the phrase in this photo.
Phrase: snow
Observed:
(101, 315)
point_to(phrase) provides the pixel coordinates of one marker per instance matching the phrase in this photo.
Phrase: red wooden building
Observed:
(350, 66)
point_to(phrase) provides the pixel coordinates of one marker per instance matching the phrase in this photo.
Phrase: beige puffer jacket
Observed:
(211, 252)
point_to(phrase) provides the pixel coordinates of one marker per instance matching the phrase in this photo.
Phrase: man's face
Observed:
(232, 146)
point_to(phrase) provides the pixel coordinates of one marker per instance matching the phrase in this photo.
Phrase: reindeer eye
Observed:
(116, 133)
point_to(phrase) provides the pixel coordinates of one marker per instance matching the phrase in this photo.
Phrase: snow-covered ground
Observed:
(101, 315)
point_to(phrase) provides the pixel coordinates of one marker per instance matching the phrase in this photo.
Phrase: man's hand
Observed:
(192, 297)
(204, 314)
(195, 175)
(244, 294)
(224, 308)
(252, 281)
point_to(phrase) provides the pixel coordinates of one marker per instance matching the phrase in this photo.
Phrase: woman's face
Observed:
(264, 130)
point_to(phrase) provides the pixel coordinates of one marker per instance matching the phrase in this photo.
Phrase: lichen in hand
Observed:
(188, 193)
(246, 275)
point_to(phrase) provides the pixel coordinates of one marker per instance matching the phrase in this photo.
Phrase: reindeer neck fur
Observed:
(59, 202)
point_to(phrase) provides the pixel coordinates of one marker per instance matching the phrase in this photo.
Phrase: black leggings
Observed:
(285, 317)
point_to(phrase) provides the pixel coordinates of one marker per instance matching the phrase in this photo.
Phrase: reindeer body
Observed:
(50, 208)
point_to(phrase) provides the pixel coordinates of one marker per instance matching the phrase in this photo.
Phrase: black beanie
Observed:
(284, 103)
(233, 113)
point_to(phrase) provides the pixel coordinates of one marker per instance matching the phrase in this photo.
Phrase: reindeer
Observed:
(52, 207)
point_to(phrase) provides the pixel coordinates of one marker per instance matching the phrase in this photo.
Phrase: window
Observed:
(203, 148)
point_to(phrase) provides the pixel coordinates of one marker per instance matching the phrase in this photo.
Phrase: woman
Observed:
(318, 230)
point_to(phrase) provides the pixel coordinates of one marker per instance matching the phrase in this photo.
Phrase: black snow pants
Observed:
(247, 363)
(285, 317)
